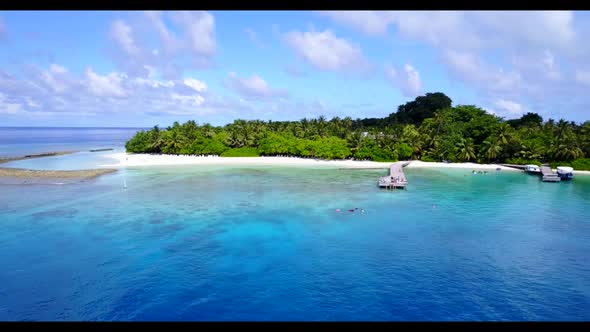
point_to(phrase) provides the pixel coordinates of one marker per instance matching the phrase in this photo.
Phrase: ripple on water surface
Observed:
(240, 243)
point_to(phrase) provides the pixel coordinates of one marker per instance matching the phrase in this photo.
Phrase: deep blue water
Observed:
(15, 141)
(243, 243)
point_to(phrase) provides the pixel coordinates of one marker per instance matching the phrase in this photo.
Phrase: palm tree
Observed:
(174, 142)
(411, 136)
(321, 126)
(208, 130)
(567, 151)
(355, 141)
(504, 133)
(584, 137)
(465, 149)
(439, 121)
(491, 149)
(347, 123)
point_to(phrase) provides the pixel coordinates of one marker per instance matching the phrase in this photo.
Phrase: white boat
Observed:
(533, 169)
(565, 172)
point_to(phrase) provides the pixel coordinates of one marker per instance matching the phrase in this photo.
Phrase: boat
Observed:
(565, 172)
(532, 169)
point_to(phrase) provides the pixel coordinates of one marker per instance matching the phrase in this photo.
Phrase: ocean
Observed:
(182, 243)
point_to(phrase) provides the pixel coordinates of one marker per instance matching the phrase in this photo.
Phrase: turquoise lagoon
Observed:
(266, 243)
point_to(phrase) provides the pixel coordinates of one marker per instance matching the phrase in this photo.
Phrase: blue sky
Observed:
(137, 68)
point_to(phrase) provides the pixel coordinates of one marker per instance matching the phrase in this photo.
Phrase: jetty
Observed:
(547, 174)
(396, 178)
(521, 167)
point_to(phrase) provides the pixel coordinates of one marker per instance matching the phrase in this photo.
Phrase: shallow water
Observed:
(20, 141)
(244, 243)
(266, 243)
(26, 140)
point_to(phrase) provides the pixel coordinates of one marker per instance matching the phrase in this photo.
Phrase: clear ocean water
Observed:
(243, 243)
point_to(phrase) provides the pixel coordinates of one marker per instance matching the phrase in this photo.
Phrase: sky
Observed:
(139, 69)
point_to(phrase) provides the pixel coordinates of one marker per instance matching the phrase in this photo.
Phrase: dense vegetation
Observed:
(428, 128)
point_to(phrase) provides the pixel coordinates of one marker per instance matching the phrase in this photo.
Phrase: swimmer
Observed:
(351, 210)
(337, 210)
(362, 210)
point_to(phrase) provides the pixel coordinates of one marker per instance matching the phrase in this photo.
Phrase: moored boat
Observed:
(532, 169)
(565, 172)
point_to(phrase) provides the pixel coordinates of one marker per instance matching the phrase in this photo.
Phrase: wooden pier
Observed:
(521, 167)
(547, 174)
(396, 178)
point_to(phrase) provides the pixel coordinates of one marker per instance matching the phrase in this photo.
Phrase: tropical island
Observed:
(428, 129)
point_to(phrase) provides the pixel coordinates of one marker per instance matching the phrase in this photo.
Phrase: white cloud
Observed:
(533, 58)
(511, 107)
(253, 87)
(118, 95)
(468, 30)
(153, 82)
(408, 81)
(184, 40)
(541, 65)
(470, 68)
(56, 78)
(7, 107)
(168, 39)
(191, 100)
(367, 21)
(104, 86)
(582, 76)
(122, 33)
(57, 69)
(325, 51)
(199, 28)
(31, 103)
(195, 84)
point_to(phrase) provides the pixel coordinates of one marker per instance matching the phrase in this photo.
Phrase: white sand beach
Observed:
(133, 160)
(424, 164)
(125, 160)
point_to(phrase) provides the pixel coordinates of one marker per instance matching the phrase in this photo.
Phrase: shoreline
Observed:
(22, 173)
(146, 160)
(4, 160)
(37, 174)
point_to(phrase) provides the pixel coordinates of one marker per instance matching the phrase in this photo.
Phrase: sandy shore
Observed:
(124, 160)
(32, 156)
(473, 166)
(29, 173)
